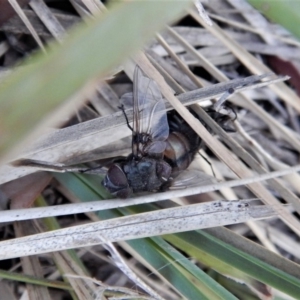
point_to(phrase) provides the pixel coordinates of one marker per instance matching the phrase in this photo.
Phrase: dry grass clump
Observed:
(60, 106)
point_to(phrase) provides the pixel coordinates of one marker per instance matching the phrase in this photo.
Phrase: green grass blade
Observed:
(218, 248)
(200, 287)
(209, 286)
(283, 12)
(225, 257)
(189, 280)
(9, 275)
(91, 50)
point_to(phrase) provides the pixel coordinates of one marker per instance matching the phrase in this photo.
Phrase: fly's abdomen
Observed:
(178, 151)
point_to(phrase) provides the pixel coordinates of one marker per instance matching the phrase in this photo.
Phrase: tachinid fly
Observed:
(163, 144)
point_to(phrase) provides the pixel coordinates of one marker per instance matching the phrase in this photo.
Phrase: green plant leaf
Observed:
(91, 50)
(258, 263)
(283, 12)
(185, 277)
(218, 248)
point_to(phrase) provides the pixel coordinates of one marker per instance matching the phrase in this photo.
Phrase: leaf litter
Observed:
(265, 138)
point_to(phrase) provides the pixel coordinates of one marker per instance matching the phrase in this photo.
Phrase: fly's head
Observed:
(116, 182)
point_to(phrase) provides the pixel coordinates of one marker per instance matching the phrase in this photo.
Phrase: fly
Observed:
(163, 146)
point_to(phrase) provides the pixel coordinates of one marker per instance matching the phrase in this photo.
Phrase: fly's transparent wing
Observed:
(149, 113)
(127, 100)
(159, 127)
(190, 178)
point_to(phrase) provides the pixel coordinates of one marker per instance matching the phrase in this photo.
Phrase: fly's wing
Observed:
(127, 100)
(149, 113)
(190, 178)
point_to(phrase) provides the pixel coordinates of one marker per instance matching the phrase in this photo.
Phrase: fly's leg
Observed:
(124, 113)
(54, 167)
(208, 162)
(94, 170)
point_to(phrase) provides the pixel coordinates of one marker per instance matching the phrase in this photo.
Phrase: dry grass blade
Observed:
(68, 143)
(220, 151)
(121, 264)
(247, 144)
(23, 17)
(204, 187)
(75, 78)
(239, 99)
(251, 62)
(83, 287)
(167, 221)
(31, 265)
(48, 18)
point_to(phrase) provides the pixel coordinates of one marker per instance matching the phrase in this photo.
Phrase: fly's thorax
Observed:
(147, 174)
(146, 146)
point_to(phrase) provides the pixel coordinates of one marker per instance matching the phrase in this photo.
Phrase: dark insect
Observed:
(163, 144)
(163, 147)
(183, 142)
(145, 168)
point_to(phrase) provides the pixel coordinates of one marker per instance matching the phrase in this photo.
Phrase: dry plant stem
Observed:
(254, 30)
(283, 131)
(48, 18)
(239, 99)
(262, 236)
(257, 230)
(282, 240)
(229, 194)
(31, 264)
(166, 286)
(166, 221)
(111, 101)
(179, 63)
(220, 151)
(173, 71)
(111, 290)
(190, 49)
(82, 287)
(220, 76)
(81, 9)
(67, 143)
(256, 19)
(145, 277)
(120, 263)
(285, 193)
(294, 179)
(27, 23)
(38, 19)
(169, 79)
(94, 6)
(66, 209)
(54, 119)
(293, 116)
(256, 67)
(202, 12)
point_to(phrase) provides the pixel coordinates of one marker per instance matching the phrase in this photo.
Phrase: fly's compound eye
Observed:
(116, 182)
(163, 170)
